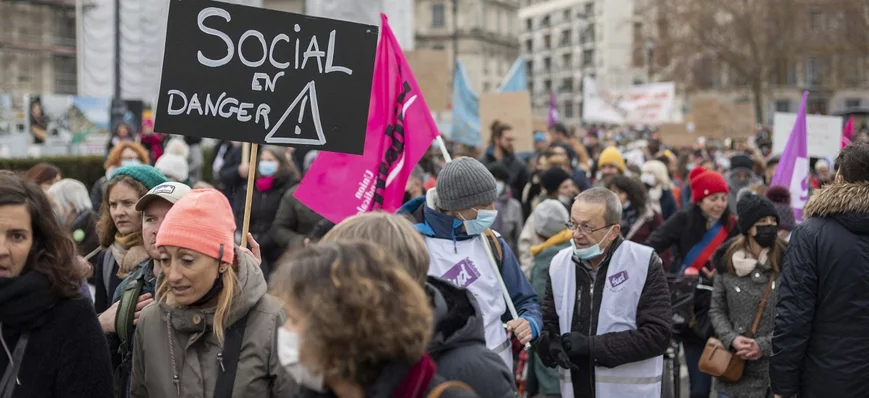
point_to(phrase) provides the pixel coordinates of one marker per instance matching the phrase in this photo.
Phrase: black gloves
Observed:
(552, 353)
(575, 344)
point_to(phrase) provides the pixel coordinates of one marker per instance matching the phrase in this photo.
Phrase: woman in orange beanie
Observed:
(696, 233)
(213, 331)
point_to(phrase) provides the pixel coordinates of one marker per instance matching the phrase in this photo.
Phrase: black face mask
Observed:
(766, 235)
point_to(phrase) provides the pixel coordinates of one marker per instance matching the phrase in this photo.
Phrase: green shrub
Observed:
(87, 169)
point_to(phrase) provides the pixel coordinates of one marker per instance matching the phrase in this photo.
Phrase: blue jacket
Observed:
(434, 224)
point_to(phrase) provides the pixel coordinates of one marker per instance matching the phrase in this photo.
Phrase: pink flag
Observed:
(400, 131)
(553, 109)
(793, 167)
(848, 132)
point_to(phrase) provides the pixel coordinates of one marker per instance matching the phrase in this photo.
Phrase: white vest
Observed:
(623, 287)
(467, 265)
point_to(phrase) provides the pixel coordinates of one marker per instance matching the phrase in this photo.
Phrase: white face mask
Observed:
(288, 355)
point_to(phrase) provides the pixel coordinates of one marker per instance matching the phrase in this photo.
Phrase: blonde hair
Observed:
(224, 299)
(394, 233)
(355, 283)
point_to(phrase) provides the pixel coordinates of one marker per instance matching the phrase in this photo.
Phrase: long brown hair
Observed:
(106, 228)
(775, 256)
(53, 253)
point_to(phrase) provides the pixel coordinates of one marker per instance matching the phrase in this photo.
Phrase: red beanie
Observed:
(705, 183)
(201, 221)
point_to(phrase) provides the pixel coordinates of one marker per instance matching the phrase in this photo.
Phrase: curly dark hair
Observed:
(336, 284)
(53, 253)
(634, 189)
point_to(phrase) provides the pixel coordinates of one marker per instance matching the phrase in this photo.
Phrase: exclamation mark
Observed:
(301, 114)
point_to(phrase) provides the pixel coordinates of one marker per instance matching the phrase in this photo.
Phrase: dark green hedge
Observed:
(88, 169)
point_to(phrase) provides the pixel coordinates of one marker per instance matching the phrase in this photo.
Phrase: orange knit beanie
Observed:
(201, 221)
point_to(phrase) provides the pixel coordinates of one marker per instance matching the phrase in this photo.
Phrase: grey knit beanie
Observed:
(465, 183)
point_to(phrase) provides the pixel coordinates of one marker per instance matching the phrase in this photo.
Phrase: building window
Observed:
(486, 86)
(565, 37)
(529, 24)
(547, 85)
(566, 15)
(816, 21)
(65, 79)
(851, 103)
(566, 85)
(547, 42)
(529, 45)
(567, 61)
(783, 106)
(588, 58)
(438, 46)
(547, 64)
(589, 9)
(545, 21)
(529, 66)
(531, 86)
(437, 15)
(814, 71)
(568, 109)
(853, 70)
(639, 52)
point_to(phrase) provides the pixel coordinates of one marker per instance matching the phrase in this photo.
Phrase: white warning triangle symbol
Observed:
(307, 96)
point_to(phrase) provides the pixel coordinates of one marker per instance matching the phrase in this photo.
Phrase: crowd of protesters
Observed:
(546, 273)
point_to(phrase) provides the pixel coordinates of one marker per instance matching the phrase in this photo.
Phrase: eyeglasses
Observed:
(585, 230)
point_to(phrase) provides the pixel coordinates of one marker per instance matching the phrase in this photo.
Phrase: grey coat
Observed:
(735, 302)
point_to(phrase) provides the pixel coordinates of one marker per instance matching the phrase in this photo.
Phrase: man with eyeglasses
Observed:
(606, 311)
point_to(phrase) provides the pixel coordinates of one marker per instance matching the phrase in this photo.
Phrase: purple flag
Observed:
(553, 109)
(793, 168)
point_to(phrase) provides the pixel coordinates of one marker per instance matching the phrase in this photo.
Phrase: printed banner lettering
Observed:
(400, 130)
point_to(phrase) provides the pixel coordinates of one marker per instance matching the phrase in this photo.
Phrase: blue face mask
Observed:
(499, 186)
(588, 252)
(484, 220)
(130, 162)
(267, 168)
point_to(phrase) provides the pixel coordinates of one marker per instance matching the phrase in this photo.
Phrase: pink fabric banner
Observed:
(848, 132)
(400, 131)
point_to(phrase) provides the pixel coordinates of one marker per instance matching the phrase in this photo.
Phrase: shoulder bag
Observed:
(719, 361)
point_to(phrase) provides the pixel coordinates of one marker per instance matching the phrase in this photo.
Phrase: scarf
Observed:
(128, 252)
(26, 300)
(417, 379)
(655, 195)
(629, 217)
(264, 184)
(743, 262)
(554, 240)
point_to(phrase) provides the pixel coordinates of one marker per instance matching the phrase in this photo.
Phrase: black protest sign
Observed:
(248, 74)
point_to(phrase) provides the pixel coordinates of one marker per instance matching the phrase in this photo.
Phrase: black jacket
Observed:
(518, 171)
(388, 381)
(66, 357)
(649, 340)
(102, 297)
(230, 181)
(264, 207)
(820, 346)
(681, 232)
(459, 345)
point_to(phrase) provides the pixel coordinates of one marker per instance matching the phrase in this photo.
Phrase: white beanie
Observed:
(550, 218)
(173, 166)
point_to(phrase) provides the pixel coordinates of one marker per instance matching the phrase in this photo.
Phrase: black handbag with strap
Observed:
(10, 376)
(229, 358)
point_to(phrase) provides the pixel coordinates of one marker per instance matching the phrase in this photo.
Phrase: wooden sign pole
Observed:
(251, 176)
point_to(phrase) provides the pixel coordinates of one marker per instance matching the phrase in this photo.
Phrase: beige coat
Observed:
(196, 348)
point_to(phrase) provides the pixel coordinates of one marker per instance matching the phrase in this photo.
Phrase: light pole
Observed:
(650, 52)
(455, 39)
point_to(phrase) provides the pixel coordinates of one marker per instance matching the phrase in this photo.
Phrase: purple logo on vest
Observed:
(462, 274)
(619, 278)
